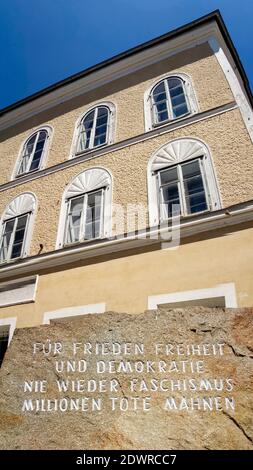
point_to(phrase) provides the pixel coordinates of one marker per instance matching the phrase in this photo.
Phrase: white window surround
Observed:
(49, 130)
(22, 204)
(171, 154)
(189, 94)
(226, 291)
(111, 128)
(19, 291)
(11, 322)
(87, 181)
(69, 312)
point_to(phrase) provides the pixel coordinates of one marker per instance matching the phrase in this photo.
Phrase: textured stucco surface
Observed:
(225, 135)
(189, 356)
(208, 80)
(124, 283)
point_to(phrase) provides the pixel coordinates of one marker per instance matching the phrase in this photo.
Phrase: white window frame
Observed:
(84, 217)
(87, 181)
(73, 312)
(190, 97)
(20, 291)
(175, 153)
(181, 190)
(49, 130)
(25, 203)
(110, 128)
(227, 291)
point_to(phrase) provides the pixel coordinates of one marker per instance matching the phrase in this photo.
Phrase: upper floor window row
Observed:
(168, 99)
(181, 180)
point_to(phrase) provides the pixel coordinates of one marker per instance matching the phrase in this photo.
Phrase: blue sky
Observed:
(43, 42)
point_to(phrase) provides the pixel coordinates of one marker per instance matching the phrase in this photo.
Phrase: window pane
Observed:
(160, 103)
(167, 176)
(159, 89)
(85, 131)
(36, 159)
(170, 196)
(93, 214)
(177, 95)
(194, 188)
(101, 127)
(19, 237)
(100, 140)
(180, 110)
(102, 112)
(163, 116)
(74, 220)
(8, 229)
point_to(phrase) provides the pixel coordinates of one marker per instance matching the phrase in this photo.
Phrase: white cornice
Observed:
(111, 72)
(233, 216)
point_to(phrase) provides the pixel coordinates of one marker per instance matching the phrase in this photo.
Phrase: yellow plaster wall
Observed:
(124, 283)
(209, 82)
(225, 135)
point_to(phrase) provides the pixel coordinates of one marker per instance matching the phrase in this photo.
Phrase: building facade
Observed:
(130, 185)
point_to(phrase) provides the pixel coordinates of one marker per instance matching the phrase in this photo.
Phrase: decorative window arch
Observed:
(86, 208)
(33, 152)
(16, 227)
(95, 128)
(181, 172)
(169, 99)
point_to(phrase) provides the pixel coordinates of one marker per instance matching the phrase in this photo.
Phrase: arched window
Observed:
(169, 99)
(181, 174)
(16, 227)
(95, 128)
(86, 209)
(33, 152)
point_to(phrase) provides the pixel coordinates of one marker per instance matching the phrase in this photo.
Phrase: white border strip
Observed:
(222, 290)
(73, 312)
(34, 280)
(11, 322)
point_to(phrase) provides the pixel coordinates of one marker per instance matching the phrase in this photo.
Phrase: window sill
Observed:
(170, 121)
(27, 173)
(187, 216)
(89, 151)
(83, 242)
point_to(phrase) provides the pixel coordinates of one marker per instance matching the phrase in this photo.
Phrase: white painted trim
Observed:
(236, 87)
(11, 322)
(11, 288)
(107, 74)
(107, 222)
(29, 228)
(190, 96)
(221, 290)
(94, 153)
(50, 131)
(209, 174)
(73, 312)
(111, 127)
(189, 226)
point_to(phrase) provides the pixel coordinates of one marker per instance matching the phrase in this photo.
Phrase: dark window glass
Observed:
(194, 188)
(4, 336)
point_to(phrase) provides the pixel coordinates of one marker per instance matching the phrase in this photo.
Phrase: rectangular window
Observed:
(84, 221)
(13, 237)
(4, 337)
(182, 185)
